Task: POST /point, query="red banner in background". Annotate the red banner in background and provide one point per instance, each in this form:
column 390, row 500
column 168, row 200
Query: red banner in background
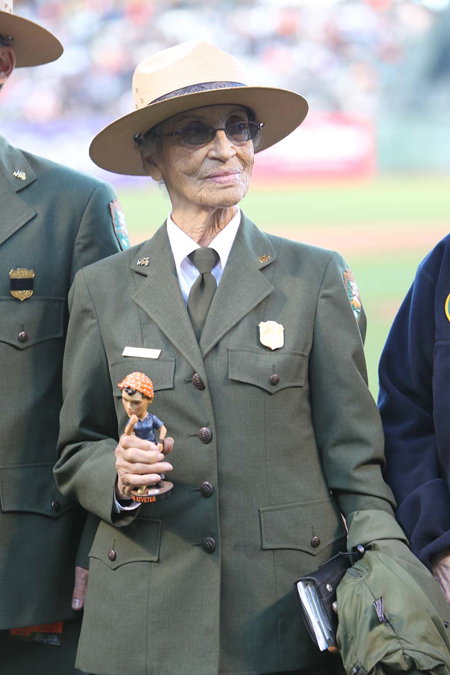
column 325, row 146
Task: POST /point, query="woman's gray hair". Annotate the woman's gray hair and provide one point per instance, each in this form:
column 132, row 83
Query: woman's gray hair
column 150, row 143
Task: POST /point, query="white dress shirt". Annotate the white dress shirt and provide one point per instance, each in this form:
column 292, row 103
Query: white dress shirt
column 182, row 245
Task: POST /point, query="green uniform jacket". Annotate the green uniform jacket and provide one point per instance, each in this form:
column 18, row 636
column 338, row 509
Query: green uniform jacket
column 54, row 221
column 161, row 599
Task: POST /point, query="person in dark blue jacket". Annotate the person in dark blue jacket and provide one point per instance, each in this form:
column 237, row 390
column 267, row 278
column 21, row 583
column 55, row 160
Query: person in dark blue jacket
column 414, row 403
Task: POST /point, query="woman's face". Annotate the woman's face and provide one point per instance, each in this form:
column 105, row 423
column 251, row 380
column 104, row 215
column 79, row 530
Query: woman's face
column 216, row 174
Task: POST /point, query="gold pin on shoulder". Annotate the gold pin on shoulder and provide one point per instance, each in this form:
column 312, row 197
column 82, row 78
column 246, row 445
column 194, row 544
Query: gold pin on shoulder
column 20, row 174
column 145, row 262
column 264, row 258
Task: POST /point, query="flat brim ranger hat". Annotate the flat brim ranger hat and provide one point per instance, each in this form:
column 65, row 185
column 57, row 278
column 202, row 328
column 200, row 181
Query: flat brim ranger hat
column 192, row 75
column 33, row 45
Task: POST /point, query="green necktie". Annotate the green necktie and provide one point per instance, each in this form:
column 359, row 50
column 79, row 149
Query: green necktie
column 202, row 292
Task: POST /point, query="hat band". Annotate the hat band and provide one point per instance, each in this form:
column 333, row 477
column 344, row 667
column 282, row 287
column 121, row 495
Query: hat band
column 196, row 88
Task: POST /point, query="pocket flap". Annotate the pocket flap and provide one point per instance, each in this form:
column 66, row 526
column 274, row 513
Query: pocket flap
column 137, row 542
column 31, row 488
column 308, row 526
column 38, row 318
column 257, row 367
column 160, row 371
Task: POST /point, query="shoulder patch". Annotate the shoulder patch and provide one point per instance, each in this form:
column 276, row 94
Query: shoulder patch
column 119, row 224
column 353, row 294
column 447, row 313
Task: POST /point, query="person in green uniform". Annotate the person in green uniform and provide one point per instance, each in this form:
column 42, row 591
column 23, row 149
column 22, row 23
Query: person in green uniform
column 242, row 333
column 53, row 221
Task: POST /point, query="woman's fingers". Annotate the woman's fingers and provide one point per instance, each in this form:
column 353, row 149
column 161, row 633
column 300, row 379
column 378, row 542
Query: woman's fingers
column 142, row 469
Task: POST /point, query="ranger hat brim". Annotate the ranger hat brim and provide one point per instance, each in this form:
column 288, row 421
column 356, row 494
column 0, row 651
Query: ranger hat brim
column 33, row 45
column 192, row 75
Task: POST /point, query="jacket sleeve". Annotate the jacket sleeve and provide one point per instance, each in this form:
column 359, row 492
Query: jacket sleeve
column 96, row 237
column 346, row 420
column 414, row 395
column 88, row 426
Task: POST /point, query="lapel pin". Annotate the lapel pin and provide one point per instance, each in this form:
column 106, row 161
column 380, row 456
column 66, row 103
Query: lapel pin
column 264, row 258
column 21, row 283
column 20, row 174
column 271, row 334
column 144, row 262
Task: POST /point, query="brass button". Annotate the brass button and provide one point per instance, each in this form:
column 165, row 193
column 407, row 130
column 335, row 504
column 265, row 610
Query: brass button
column 112, row 555
column 56, row 506
column 22, row 337
column 274, row 379
column 315, row 542
column 205, row 435
column 206, row 490
column 198, row 382
column 209, row 545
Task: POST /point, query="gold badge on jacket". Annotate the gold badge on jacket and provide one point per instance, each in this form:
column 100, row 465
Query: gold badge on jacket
column 271, row 334
column 21, row 283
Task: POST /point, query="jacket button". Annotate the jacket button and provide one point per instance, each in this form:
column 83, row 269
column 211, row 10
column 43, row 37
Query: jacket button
column 22, row 337
column 206, row 490
column 112, row 555
column 315, row 542
column 274, row 380
column 209, row 544
column 205, row 435
column 198, row 382
column 56, row 506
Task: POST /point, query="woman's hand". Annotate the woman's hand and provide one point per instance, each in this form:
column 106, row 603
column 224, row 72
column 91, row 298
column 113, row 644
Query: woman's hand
column 138, row 463
column 440, row 566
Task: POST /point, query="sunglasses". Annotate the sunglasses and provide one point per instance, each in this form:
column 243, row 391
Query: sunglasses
column 5, row 41
column 197, row 133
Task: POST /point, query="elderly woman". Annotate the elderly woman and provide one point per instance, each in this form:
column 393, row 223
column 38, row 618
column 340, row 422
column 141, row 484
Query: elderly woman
column 241, row 333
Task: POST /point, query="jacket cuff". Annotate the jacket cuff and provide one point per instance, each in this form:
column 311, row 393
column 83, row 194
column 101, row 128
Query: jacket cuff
column 365, row 527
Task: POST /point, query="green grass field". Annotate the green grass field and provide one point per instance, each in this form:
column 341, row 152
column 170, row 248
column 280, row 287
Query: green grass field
column 384, row 228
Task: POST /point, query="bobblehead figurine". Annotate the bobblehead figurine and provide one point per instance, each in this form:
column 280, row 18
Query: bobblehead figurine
column 137, row 394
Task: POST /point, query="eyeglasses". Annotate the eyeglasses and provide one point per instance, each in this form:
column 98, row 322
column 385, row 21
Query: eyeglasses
column 5, row 41
column 197, row 133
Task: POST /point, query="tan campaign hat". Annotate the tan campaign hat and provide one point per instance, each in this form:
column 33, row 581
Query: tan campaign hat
column 187, row 76
column 32, row 44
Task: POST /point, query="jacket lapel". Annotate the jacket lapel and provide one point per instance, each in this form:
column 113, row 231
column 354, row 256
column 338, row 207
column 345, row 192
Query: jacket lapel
column 242, row 286
column 14, row 211
column 159, row 295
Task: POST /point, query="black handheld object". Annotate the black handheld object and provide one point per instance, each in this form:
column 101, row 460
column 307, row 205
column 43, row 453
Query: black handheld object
column 316, row 594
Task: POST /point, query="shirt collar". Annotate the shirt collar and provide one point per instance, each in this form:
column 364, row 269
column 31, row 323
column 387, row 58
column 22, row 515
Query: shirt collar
column 182, row 244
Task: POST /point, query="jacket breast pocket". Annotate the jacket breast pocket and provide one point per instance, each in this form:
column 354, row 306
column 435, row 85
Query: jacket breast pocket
column 28, row 323
column 271, row 371
column 160, row 371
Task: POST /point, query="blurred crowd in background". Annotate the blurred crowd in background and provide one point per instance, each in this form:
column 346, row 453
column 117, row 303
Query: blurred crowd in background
column 342, row 57
column 385, row 63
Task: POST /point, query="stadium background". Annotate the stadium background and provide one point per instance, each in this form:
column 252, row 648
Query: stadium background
column 368, row 172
